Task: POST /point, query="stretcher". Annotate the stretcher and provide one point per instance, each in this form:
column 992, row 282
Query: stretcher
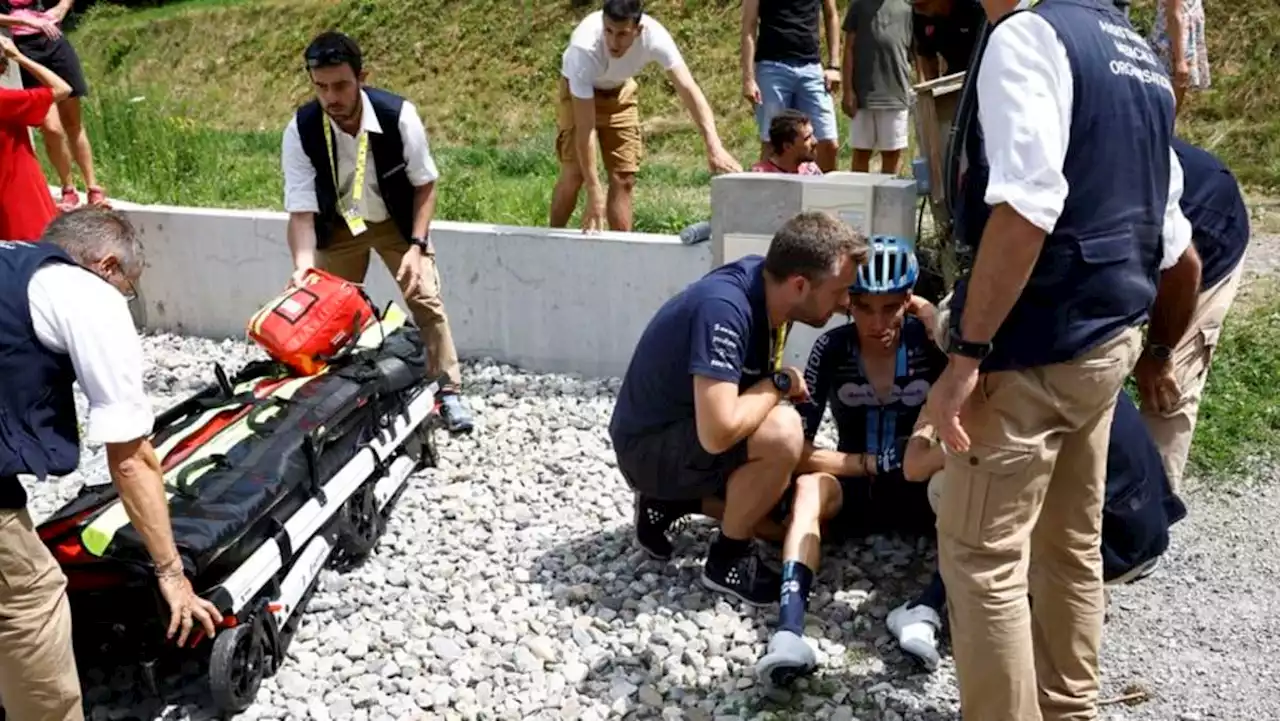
column 271, row 477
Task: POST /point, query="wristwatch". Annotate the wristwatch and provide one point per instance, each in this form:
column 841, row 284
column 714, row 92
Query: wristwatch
column 968, row 349
column 1160, row 352
column 782, row 381
column 423, row 243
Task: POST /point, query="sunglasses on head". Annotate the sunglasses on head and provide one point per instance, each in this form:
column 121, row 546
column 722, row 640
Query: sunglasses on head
column 327, row 57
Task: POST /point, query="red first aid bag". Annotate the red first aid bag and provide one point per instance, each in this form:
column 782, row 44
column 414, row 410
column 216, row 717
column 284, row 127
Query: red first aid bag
column 307, row 327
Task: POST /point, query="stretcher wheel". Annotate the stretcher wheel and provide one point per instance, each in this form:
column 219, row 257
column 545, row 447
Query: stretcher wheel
column 430, row 457
column 361, row 524
column 236, row 667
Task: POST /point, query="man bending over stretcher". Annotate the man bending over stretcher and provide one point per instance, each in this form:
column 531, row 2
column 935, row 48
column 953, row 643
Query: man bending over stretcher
column 876, row 373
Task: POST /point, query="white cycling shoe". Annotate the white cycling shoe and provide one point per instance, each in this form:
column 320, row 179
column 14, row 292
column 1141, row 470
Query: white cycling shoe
column 916, row 629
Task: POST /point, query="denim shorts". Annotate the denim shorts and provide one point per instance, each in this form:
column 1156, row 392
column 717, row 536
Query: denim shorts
column 800, row 87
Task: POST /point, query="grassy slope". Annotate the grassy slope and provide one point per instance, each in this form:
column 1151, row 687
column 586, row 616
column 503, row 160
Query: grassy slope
column 221, row 77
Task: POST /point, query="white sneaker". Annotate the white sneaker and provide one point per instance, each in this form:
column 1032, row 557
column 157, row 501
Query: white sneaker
column 916, row 629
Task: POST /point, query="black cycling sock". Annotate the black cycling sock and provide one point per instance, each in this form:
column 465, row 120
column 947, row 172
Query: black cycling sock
column 934, row 595
column 725, row 550
column 796, row 579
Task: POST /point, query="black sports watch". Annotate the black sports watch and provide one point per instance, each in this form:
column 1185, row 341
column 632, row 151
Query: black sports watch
column 968, row 349
column 782, row 381
column 423, row 243
column 1160, row 352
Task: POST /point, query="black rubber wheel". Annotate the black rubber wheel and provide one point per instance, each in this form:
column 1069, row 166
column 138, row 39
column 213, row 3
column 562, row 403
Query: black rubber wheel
column 237, row 666
column 430, row 451
column 360, row 524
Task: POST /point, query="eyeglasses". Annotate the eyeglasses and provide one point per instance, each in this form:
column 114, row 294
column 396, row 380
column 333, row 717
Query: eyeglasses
column 131, row 294
column 325, row 57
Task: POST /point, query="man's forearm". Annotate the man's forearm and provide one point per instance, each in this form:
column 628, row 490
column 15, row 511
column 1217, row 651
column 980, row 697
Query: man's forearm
column 1175, row 303
column 747, row 55
column 48, row 78
column 1006, row 256
column 696, row 103
column 831, row 22
column 302, row 239
column 837, row 463
column 137, row 476
column 424, row 207
column 586, row 151
column 922, row 460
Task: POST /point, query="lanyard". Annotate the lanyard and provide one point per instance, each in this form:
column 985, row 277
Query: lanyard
column 362, row 150
column 779, row 346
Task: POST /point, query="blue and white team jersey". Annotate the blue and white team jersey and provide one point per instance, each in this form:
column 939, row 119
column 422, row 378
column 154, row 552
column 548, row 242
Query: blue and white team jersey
column 835, row 376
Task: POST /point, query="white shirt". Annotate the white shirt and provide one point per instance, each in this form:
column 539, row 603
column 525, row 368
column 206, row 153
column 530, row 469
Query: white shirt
column 587, row 64
column 77, row 313
column 1025, row 93
column 300, row 174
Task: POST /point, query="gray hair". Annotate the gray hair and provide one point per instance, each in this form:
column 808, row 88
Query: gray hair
column 88, row 234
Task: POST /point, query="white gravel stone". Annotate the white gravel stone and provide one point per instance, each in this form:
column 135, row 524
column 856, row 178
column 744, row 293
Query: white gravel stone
column 507, row 587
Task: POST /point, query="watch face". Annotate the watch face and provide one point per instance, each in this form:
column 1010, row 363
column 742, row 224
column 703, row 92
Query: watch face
column 782, row 381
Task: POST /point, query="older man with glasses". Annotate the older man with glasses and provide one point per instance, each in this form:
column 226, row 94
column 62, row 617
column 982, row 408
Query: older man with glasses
column 66, row 320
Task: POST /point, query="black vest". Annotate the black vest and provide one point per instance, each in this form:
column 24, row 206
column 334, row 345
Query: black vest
column 388, row 162
column 39, row 434
column 1099, row 268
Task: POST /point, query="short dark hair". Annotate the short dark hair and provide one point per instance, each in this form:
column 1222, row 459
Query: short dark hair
column 332, row 48
column 785, row 128
column 811, row 244
column 623, row 10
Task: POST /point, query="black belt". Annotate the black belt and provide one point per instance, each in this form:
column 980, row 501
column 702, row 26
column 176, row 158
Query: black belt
column 13, row 497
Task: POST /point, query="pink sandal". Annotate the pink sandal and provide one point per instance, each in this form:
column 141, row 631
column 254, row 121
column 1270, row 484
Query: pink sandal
column 70, row 198
column 98, row 197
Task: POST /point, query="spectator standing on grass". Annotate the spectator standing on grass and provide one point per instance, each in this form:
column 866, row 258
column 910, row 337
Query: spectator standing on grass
column 945, row 33
column 782, row 68
column 1178, row 35
column 359, row 176
column 877, row 81
column 64, row 318
column 1070, row 204
column 38, row 34
column 791, row 146
column 699, row 425
column 598, row 100
column 25, row 204
column 1214, row 205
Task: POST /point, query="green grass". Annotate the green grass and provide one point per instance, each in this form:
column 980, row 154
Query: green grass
column 221, row 77
column 149, row 150
column 1240, row 413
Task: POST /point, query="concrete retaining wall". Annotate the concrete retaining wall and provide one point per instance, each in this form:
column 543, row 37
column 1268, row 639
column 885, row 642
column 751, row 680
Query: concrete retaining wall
column 547, row 300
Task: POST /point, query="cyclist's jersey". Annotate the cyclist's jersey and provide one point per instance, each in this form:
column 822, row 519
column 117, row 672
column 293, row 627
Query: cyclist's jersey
column 835, row 375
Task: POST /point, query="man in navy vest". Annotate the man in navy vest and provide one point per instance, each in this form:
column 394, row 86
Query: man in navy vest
column 1214, row 205
column 64, row 318
column 359, row 176
column 1070, row 199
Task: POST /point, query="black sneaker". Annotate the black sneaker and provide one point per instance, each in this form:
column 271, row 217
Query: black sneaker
column 746, row 578
column 653, row 519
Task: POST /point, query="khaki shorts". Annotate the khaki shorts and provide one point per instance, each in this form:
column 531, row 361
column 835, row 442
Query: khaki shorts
column 617, row 127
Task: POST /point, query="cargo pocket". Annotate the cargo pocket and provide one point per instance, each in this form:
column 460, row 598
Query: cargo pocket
column 987, row 495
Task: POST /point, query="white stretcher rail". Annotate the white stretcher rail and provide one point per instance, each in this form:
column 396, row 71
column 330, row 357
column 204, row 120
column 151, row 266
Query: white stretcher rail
column 253, row 575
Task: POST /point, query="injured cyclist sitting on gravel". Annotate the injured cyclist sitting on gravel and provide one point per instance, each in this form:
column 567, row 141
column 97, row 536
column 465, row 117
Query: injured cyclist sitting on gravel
column 876, row 373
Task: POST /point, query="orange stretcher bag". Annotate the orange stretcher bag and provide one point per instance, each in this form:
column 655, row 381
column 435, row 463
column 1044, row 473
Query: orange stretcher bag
column 309, row 326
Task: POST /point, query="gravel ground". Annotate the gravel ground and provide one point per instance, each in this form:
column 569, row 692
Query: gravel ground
column 507, row 587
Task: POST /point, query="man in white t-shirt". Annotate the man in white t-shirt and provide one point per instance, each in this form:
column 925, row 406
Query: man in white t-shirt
column 64, row 317
column 598, row 96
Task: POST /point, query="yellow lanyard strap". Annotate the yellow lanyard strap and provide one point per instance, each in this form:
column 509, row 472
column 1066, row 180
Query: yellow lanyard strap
column 362, row 149
column 779, row 346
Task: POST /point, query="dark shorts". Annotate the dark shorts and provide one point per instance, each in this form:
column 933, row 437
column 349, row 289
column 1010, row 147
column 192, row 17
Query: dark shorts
column 671, row 465
column 58, row 56
column 884, row 505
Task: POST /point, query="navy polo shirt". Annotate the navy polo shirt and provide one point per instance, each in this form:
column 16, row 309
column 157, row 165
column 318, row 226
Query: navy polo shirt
column 716, row 327
column 1214, row 205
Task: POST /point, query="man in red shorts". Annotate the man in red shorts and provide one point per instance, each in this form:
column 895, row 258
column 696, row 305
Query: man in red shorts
column 26, row 206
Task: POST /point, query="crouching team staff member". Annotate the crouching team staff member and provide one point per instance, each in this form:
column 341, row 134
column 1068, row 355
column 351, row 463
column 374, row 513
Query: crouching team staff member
column 64, row 318
column 1219, row 220
column 698, row 426
column 359, row 176
column 1067, row 216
